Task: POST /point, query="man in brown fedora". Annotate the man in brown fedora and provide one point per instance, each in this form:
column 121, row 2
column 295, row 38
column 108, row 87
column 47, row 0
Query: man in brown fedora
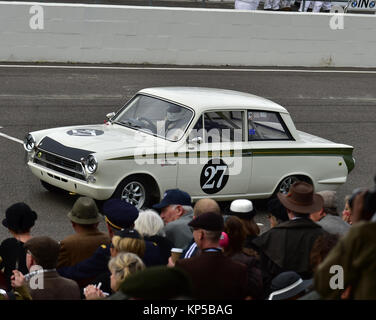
column 77, row 247
column 287, row 246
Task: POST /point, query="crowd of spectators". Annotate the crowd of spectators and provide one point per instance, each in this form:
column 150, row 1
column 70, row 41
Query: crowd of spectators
column 284, row 5
column 223, row 253
column 271, row 5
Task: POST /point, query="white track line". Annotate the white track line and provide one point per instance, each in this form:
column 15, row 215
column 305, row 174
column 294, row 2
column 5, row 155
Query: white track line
column 186, row 69
column 10, row 138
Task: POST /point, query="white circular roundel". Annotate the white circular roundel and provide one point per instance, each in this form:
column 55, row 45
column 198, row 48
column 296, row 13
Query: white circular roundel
column 214, row 176
column 85, row 132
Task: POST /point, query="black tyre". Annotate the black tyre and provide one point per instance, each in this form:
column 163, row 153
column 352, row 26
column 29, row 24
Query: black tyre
column 286, row 183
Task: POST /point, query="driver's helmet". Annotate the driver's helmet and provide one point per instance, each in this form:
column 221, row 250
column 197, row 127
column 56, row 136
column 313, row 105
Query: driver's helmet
column 174, row 113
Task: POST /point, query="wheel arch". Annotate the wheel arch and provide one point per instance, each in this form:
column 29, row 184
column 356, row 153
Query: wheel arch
column 302, row 176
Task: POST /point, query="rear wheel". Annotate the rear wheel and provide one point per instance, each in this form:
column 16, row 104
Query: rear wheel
column 285, row 185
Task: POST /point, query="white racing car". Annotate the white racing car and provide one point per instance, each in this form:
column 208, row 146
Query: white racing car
column 208, row 142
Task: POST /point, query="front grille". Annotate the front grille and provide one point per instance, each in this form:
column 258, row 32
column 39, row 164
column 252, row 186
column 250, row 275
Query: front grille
column 60, row 164
column 63, row 162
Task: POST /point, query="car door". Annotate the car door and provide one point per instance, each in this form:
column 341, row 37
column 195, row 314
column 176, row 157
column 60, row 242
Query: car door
column 214, row 164
column 268, row 140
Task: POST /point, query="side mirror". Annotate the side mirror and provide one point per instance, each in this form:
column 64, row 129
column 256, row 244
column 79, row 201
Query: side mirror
column 110, row 115
column 196, row 140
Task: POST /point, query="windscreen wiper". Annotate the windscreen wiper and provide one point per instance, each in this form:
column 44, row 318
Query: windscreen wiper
column 130, row 124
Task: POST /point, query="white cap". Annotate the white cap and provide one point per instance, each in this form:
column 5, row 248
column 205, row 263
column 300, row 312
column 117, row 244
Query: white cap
column 242, row 208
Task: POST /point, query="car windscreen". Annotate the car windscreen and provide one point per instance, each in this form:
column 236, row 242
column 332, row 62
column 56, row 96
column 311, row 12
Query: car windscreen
column 155, row 116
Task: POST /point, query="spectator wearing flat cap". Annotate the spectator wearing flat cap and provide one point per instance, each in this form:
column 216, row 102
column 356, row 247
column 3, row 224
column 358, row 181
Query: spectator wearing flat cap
column 287, row 246
column 176, row 212
column 327, row 217
column 43, row 282
column 118, row 215
column 201, row 206
column 19, row 219
column 213, row 275
column 85, row 218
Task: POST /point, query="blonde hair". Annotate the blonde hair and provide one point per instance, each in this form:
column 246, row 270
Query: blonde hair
column 149, row 223
column 136, row 246
column 124, row 264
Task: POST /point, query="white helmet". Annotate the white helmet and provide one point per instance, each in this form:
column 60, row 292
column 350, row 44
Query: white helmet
column 174, row 113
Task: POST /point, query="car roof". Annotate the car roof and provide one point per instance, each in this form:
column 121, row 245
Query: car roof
column 200, row 98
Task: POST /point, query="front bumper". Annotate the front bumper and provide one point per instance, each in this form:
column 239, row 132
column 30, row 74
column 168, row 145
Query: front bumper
column 65, row 182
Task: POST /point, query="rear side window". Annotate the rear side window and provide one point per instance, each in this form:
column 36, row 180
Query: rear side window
column 265, row 125
column 221, row 126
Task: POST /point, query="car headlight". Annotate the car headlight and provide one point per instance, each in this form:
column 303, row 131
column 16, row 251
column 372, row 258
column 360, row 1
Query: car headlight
column 29, row 143
column 91, row 164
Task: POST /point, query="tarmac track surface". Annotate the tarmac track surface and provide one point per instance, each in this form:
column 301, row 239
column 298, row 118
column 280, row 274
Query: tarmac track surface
column 339, row 105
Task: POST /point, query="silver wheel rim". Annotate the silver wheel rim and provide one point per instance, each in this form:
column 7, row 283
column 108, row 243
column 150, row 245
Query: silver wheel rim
column 286, row 184
column 134, row 193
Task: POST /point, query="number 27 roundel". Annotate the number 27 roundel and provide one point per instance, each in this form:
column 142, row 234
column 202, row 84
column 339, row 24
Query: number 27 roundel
column 214, row 176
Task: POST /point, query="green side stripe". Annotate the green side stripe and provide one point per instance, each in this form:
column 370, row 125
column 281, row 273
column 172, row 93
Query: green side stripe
column 288, row 152
column 188, row 154
column 346, row 153
column 349, row 160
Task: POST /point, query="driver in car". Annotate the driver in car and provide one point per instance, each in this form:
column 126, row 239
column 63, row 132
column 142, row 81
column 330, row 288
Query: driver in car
column 175, row 122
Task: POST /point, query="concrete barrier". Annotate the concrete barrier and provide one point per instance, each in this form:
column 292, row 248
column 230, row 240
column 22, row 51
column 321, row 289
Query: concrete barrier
column 125, row 34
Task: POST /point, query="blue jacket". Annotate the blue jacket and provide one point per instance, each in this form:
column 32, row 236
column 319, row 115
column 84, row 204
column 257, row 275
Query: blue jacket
column 98, row 262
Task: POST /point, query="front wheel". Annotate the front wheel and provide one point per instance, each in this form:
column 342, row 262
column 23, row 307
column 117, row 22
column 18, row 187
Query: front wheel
column 134, row 191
